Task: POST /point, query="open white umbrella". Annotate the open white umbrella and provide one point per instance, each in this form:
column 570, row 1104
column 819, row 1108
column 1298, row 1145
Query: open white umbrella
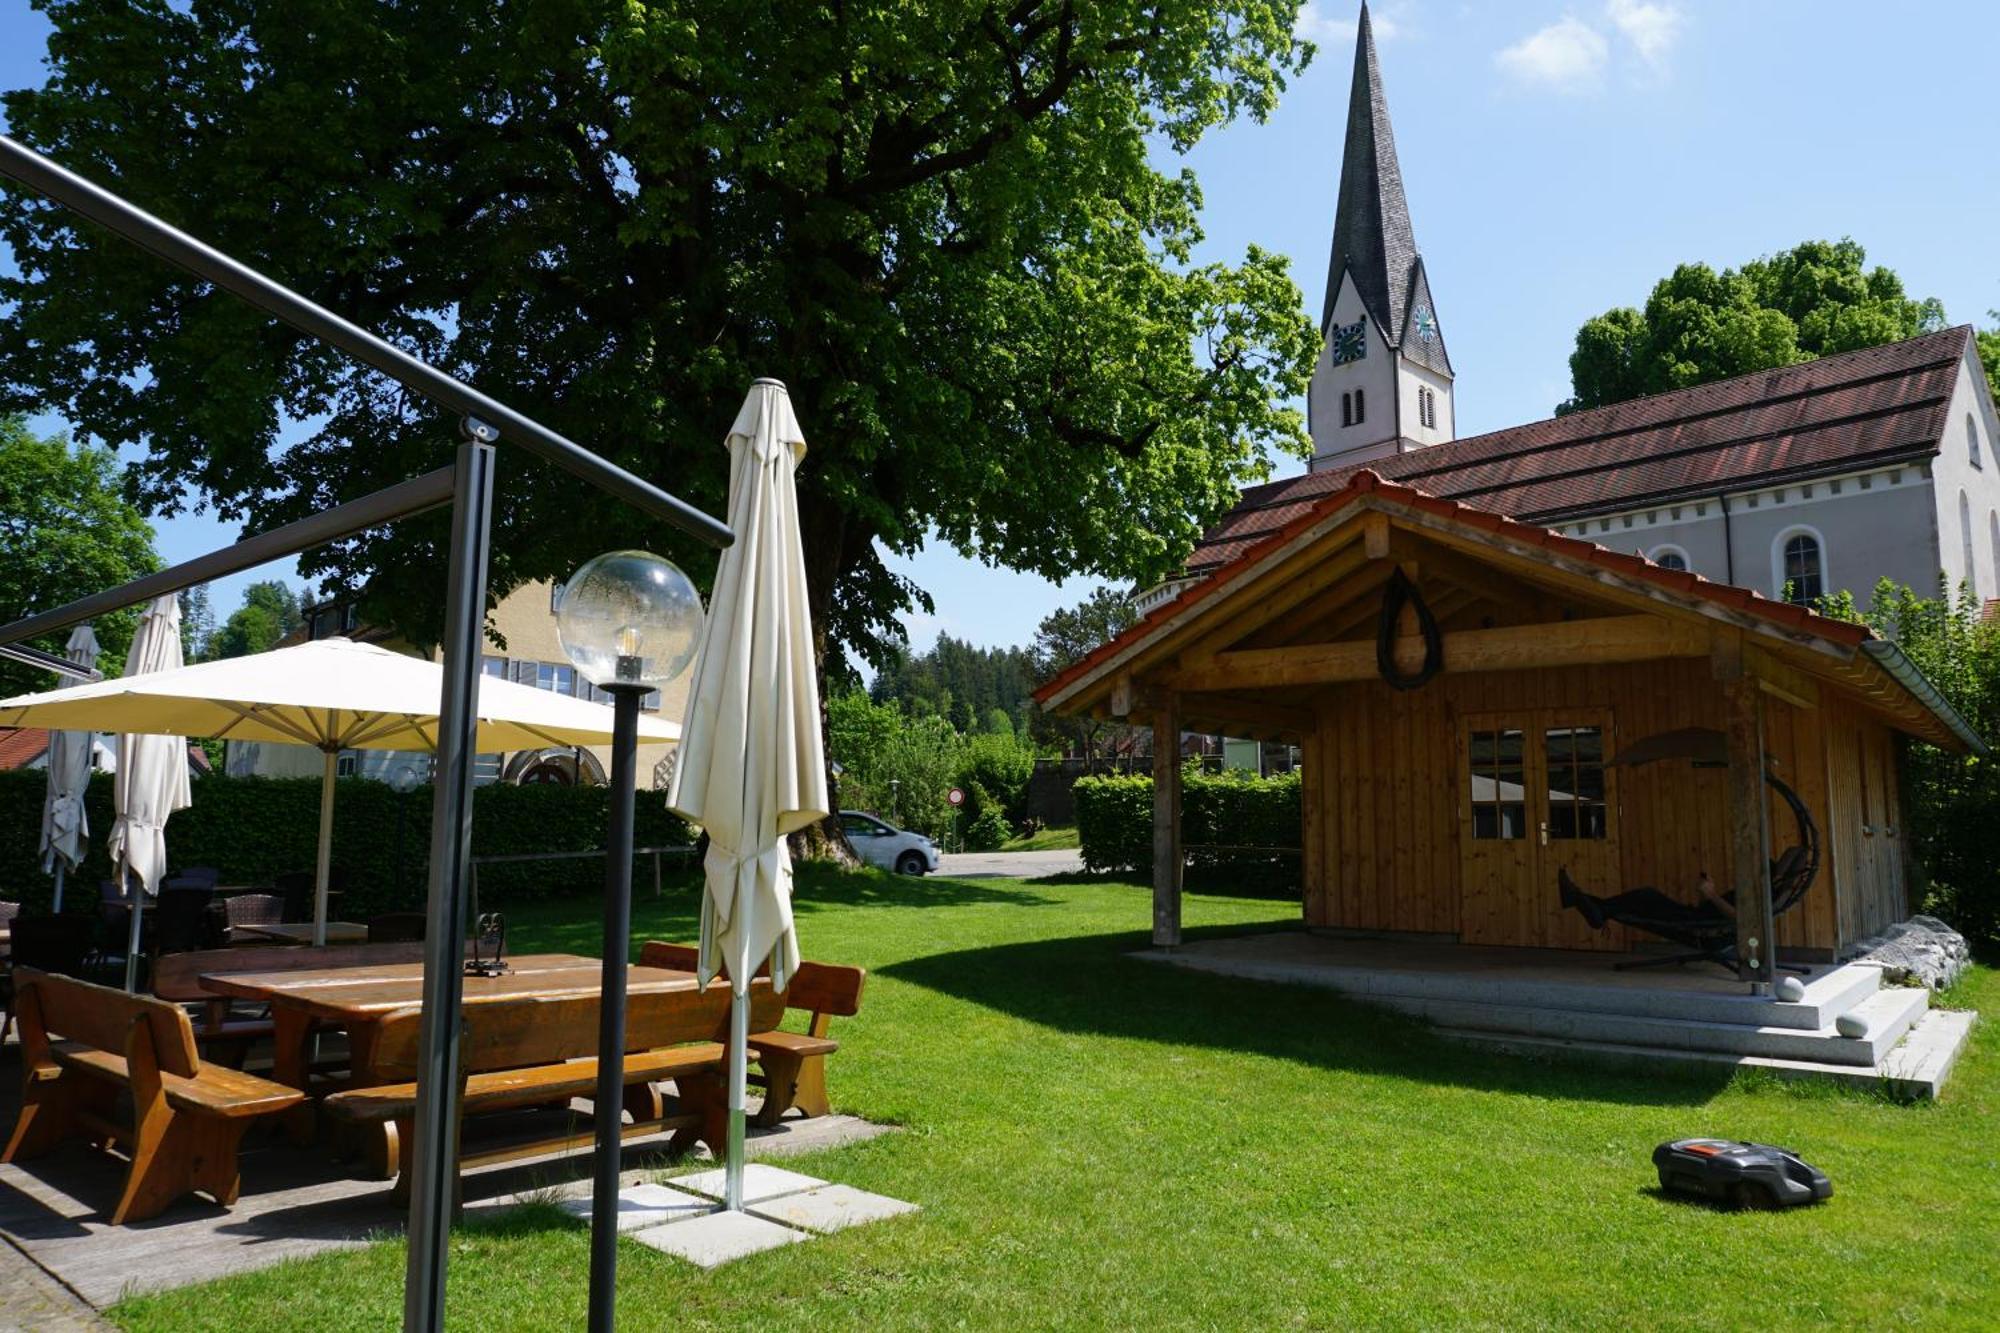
column 152, row 780
column 331, row 694
column 65, row 828
column 751, row 768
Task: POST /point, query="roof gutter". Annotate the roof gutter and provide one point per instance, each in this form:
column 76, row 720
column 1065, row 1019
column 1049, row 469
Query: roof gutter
column 1898, row 664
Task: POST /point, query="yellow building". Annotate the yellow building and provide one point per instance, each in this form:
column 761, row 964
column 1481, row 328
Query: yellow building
column 525, row 622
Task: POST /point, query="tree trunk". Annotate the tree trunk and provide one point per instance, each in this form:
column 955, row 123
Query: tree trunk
column 821, row 528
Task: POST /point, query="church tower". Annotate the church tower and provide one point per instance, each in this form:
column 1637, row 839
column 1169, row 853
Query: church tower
column 1383, row 385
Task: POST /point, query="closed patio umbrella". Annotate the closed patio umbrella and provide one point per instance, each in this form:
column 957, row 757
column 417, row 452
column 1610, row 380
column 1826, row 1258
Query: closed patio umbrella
column 152, row 779
column 751, row 768
column 331, row 694
column 65, row 829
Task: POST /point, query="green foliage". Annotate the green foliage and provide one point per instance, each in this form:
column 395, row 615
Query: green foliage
column 254, row 829
column 1952, row 799
column 994, row 771
column 899, row 766
column 1226, row 818
column 66, row 530
column 197, row 623
column 988, row 830
column 997, row 722
column 269, row 612
column 1699, row 325
column 1064, row 637
column 1989, row 352
column 942, row 225
column 966, row 685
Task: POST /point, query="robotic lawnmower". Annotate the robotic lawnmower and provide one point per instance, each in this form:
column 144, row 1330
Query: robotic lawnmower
column 1746, row 1175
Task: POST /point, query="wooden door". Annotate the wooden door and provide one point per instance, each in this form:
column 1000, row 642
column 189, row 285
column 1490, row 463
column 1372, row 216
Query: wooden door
column 1535, row 797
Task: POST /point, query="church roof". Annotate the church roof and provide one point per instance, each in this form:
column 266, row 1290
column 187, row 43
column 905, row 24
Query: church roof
column 1372, row 237
column 1854, row 409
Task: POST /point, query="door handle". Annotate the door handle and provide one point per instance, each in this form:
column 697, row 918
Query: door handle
column 1545, row 833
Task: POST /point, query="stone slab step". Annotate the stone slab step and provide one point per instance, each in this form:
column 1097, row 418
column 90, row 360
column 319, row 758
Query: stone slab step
column 1916, row 1068
column 1828, row 995
column 1889, row 1013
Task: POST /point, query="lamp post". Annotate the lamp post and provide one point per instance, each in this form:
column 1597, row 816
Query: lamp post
column 629, row 622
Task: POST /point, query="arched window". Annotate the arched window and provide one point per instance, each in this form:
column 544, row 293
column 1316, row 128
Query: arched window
column 1971, row 575
column 1972, row 439
column 1669, row 557
column 1993, row 540
column 1360, row 407
column 1801, row 567
column 1347, row 409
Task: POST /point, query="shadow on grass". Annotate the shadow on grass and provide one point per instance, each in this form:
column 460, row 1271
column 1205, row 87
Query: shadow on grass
column 1090, row 984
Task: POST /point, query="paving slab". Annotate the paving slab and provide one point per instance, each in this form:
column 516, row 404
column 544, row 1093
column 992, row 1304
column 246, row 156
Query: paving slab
column 760, row 1182
column 718, row 1237
column 831, row 1208
column 645, row 1206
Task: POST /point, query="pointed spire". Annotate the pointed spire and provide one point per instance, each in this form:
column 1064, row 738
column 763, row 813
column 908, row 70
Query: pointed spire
column 1371, row 228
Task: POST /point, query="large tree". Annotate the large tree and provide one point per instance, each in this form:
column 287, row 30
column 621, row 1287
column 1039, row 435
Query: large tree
column 939, row 223
column 66, row 530
column 1700, row 325
column 269, row 612
column 1065, row 637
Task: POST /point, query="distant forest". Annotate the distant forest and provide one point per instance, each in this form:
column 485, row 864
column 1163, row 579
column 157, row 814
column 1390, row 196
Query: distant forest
column 972, row 688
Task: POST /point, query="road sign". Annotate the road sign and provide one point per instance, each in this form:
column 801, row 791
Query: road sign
column 956, row 796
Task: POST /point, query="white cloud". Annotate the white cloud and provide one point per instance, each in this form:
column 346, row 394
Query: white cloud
column 1568, row 56
column 1316, row 24
column 1652, row 29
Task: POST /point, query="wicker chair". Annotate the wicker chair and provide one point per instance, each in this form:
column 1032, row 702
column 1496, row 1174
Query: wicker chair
column 252, row 909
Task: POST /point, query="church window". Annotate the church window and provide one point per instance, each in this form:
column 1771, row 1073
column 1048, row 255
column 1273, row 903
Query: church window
column 1972, row 440
column 1360, row 407
column 1670, row 557
column 1965, row 535
column 1802, row 568
column 1347, row 409
column 1834, row 485
column 1867, row 482
column 1993, row 540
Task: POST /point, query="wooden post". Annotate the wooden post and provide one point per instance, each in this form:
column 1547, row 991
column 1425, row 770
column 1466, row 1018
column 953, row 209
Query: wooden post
column 1167, row 823
column 1749, row 825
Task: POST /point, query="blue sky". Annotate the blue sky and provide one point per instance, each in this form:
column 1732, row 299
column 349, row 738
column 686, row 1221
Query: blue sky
column 1559, row 158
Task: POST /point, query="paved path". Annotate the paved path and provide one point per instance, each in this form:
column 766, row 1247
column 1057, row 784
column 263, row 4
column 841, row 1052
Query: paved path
column 1011, row 865
column 31, row 1299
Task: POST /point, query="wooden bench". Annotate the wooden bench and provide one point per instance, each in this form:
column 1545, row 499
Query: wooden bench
column 188, row 1116
column 226, row 1038
column 792, row 1065
column 519, row 1053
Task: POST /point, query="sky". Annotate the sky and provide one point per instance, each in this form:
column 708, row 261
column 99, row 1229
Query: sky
column 1559, row 156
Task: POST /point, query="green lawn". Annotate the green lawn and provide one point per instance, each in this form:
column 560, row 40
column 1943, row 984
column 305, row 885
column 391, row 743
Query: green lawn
column 1047, row 840
column 1103, row 1142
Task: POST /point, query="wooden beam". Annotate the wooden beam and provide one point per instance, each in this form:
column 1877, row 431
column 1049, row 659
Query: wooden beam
column 1567, row 643
column 1167, row 824
column 1749, row 824
column 1254, row 616
column 1260, row 713
column 1121, row 695
column 1375, row 535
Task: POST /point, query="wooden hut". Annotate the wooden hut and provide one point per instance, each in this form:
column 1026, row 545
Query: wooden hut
column 1460, row 684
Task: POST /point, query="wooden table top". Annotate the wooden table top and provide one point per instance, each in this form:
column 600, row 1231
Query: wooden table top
column 301, row 932
column 359, row 993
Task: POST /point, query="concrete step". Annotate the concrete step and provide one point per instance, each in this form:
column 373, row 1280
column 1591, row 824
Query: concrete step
column 1828, row 995
column 1917, row 1067
column 1889, row 1013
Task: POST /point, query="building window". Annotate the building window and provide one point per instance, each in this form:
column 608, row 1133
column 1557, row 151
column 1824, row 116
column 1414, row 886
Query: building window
column 347, row 765
column 1965, row 534
column 1993, row 540
column 1801, row 568
column 1427, row 407
column 494, row 666
column 1360, row 407
column 1347, row 409
column 1498, row 784
column 1670, row 557
column 1576, row 783
column 556, row 678
column 1972, row 440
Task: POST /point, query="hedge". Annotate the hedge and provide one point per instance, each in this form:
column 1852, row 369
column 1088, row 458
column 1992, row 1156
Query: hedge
column 254, row 829
column 1225, row 817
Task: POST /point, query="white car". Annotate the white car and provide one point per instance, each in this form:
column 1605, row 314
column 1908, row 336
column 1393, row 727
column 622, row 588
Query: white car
column 890, row 848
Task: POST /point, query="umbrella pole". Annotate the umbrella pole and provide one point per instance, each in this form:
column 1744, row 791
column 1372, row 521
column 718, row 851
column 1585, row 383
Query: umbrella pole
column 323, row 868
column 61, row 865
column 739, row 1061
column 124, row 874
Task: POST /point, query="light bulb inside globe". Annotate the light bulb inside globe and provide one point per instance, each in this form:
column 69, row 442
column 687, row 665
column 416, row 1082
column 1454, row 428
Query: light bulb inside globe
column 629, row 618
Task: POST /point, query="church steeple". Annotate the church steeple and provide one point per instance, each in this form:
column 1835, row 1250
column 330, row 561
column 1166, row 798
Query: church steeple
column 1372, row 237
column 1383, row 384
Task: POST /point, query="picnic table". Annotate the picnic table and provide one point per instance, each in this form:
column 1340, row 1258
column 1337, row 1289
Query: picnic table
column 357, row 999
column 301, row 932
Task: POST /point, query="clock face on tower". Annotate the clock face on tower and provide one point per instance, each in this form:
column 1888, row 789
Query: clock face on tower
column 1427, row 324
column 1350, row 342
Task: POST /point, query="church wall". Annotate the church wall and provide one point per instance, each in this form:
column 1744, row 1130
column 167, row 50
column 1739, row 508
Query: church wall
column 1375, row 375
column 1970, row 412
column 1413, row 377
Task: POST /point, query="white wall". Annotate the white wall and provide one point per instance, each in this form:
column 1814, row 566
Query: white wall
column 1416, row 376
column 1969, row 413
column 1335, row 445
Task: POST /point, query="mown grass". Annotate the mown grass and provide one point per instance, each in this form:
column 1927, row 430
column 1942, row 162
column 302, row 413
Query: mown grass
column 1044, row 840
column 1102, row 1142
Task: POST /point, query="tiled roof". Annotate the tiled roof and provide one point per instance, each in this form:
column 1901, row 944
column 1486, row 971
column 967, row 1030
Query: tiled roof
column 1365, row 481
column 21, row 746
column 1877, row 405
